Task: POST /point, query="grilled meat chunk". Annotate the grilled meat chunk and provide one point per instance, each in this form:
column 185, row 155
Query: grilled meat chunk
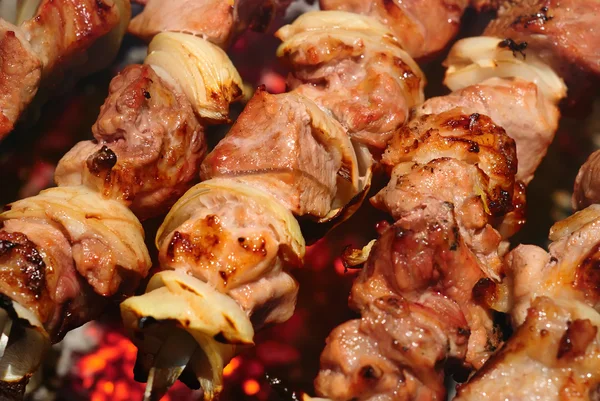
column 218, row 21
column 587, row 183
column 423, row 31
column 61, row 246
column 147, row 148
column 353, row 67
column 562, row 32
column 553, row 356
column 526, row 115
column 20, row 74
column 302, row 156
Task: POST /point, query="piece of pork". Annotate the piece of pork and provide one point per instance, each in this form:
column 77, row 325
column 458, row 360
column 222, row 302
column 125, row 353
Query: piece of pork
column 147, row 149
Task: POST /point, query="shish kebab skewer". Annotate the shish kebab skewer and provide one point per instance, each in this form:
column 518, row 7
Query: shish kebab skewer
column 422, row 290
column 67, row 251
column 553, row 300
column 236, row 231
column 52, row 44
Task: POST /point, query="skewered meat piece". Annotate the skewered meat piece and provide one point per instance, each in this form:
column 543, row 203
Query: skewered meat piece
column 553, row 356
column 422, row 31
column 453, row 180
column 147, row 148
column 310, row 165
column 585, row 192
column 234, row 236
column 218, row 21
column 564, row 34
column 526, row 115
column 431, row 165
column 20, row 73
column 64, row 40
column 67, row 251
column 355, row 68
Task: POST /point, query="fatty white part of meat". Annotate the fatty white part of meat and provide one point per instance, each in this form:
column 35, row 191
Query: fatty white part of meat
column 199, row 69
column 214, row 320
column 474, row 60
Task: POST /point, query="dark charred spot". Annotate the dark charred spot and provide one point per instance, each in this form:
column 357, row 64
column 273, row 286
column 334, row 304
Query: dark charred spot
column 101, row 161
column 485, row 291
column 543, row 333
column 500, row 202
column 220, row 338
column 14, row 390
column 188, row 288
column 223, row 276
column 455, row 239
column 490, row 346
column 587, row 275
column 577, row 337
column 177, row 241
column 369, row 373
column 212, row 220
column 514, row 47
column 24, row 254
column 146, row 94
column 463, row 331
column 252, row 246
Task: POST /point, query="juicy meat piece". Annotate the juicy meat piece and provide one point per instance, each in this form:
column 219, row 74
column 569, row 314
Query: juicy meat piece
column 415, row 298
column 423, row 28
column 554, row 356
column 517, row 106
column 219, row 21
column 147, row 148
column 565, row 33
column 587, row 184
column 353, row 367
column 473, row 139
column 361, row 76
column 569, row 270
column 237, row 239
column 298, row 157
column 64, row 248
column 270, row 299
column 63, row 31
column 20, row 73
column 458, row 184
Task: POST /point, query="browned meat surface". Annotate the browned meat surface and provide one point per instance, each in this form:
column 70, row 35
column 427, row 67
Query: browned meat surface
column 147, row 148
column 553, row 356
column 218, row 21
column 472, row 138
column 423, row 28
column 236, row 238
column 288, row 147
column 62, row 249
column 20, row 72
column 414, row 294
column 516, row 105
column 568, row 270
column 587, row 184
column 484, row 5
column 360, row 74
column 565, row 33
column 63, row 30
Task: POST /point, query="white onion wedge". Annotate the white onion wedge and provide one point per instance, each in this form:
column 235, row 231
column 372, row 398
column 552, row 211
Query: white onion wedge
column 199, row 69
column 175, row 309
column 474, row 60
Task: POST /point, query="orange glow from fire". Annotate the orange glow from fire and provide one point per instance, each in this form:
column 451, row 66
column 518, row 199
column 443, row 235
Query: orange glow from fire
column 231, row 366
column 251, row 387
column 107, row 373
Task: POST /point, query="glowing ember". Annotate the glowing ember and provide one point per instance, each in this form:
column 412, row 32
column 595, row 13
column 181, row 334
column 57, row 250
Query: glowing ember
column 251, row 387
column 232, row 366
column 107, row 373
